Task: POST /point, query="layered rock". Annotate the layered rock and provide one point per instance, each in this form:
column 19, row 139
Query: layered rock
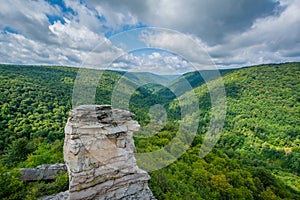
column 99, row 154
column 43, row 172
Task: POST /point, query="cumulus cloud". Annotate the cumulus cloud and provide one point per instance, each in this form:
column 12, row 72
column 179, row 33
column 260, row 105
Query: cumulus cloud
column 29, row 37
column 233, row 33
column 269, row 39
column 155, row 62
column 74, row 35
column 187, row 46
column 210, row 20
column 29, row 18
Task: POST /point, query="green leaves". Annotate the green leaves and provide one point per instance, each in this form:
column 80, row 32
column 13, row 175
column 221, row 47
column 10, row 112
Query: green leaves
column 45, row 154
column 17, row 152
column 10, row 185
column 261, row 131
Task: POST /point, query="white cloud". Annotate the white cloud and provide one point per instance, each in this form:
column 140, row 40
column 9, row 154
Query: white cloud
column 187, row 46
column 243, row 32
column 270, row 39
column 156, row 62
column 27, row 17
column 116, row 19
column 234, row 32
column 211, row 20
column 37, row 41
column 75, row 35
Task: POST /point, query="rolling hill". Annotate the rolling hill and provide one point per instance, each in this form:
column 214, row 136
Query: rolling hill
column 257, row 156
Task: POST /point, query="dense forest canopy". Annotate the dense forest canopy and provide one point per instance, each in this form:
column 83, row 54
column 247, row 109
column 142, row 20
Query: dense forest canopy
column 257, row 156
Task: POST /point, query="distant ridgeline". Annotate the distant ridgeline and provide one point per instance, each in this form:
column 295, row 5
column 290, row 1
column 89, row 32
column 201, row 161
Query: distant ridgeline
column 257, row 156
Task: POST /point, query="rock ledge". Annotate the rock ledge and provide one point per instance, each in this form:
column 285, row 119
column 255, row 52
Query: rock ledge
column 45, row 172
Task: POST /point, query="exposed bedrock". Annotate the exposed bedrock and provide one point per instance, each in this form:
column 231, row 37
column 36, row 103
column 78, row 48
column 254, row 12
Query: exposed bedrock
column 99, row 154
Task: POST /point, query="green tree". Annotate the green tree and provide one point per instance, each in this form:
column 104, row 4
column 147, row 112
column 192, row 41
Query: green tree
column 17, row 152
column 268, row 194
column 10, row 185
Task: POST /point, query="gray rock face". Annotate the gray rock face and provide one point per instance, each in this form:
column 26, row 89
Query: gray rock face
column 59, row 196
column 42, row 172
column 98, row 152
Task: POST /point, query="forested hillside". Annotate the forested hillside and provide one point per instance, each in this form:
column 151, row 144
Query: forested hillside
column 257, row 156
column 193, row 78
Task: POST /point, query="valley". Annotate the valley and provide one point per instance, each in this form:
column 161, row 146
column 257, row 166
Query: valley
column 256, row 157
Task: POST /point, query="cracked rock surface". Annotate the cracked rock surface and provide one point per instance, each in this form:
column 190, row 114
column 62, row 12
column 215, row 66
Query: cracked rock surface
column 99, row 154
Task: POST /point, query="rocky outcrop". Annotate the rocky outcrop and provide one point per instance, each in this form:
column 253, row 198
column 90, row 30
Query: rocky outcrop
column 99, row 154
column 59, row 196
column 42, row 172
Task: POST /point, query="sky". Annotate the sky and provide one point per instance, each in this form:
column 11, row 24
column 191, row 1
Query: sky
column 161, row 36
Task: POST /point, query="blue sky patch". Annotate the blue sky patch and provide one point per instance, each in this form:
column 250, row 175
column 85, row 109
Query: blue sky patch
column 52, row 19
column 62, row 5
column 8, row 29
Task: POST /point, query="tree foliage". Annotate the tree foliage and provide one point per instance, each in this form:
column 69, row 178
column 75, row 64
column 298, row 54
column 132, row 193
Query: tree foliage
column 257, row 157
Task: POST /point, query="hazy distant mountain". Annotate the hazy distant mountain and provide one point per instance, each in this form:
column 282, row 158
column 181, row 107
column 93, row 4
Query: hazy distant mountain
column 142, row 78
